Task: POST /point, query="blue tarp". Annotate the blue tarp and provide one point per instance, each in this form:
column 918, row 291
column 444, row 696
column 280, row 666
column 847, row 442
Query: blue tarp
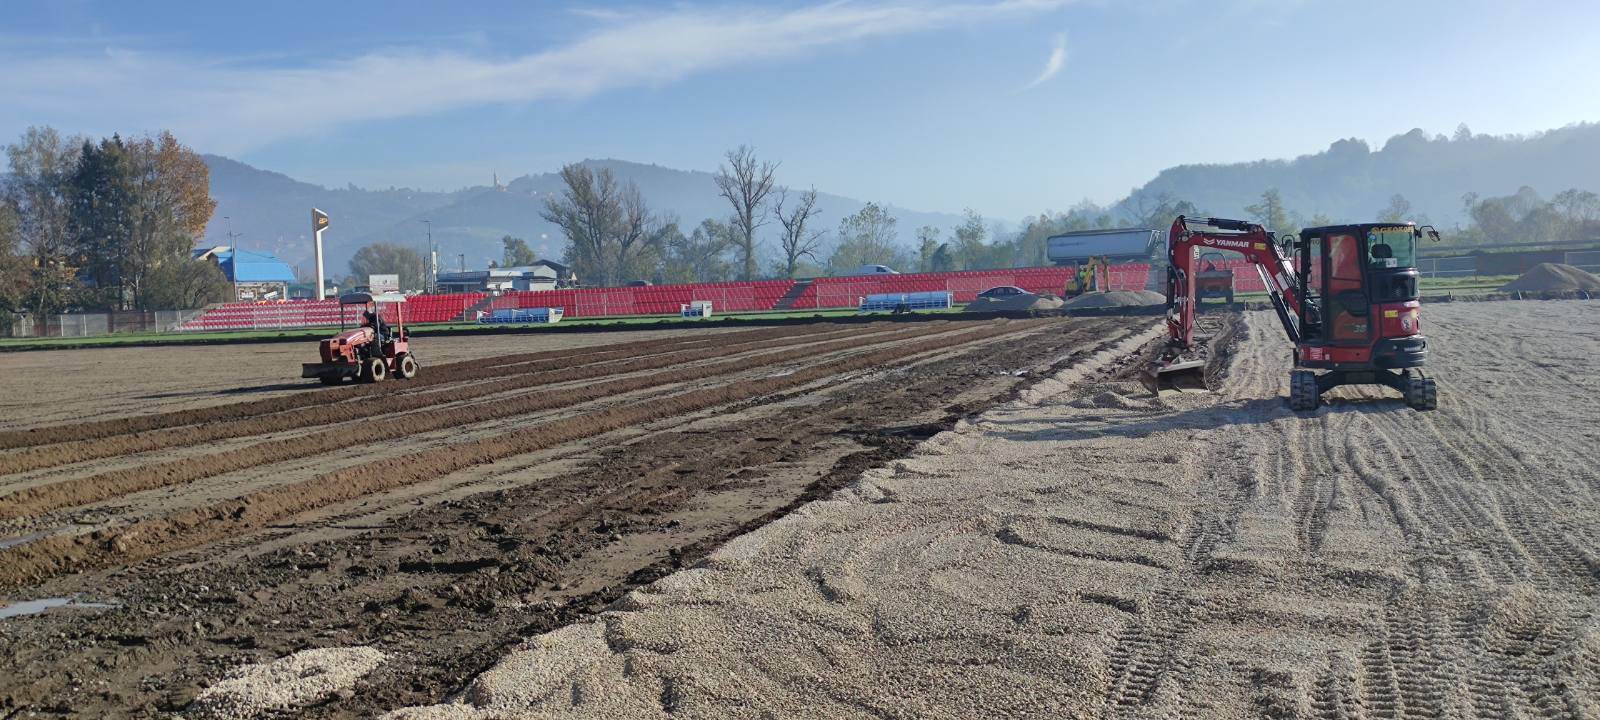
column 253, row 266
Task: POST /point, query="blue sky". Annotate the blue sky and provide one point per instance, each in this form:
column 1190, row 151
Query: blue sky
column 1006, row 106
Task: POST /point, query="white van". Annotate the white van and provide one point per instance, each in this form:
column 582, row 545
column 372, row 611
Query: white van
column 875, row 270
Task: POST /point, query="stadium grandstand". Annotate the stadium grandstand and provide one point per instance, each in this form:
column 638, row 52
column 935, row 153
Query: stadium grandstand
column 725, row 297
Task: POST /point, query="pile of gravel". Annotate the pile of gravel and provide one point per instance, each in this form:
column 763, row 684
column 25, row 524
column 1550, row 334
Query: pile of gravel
column 1015, row 303
column 1553, row 277
column 1117, row 298
column 301, row 679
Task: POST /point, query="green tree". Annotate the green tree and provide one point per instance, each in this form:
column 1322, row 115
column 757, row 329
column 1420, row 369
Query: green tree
column 927, row 246
column 389, row 259
column 866, row 238
column 13, row 266
column 970, row 251
column 101, row 217
column 1157, row 212
column 1398, row 209
column 1271, row 214
column 41, row 164
column 702, row 256
column 186, row 284
column 745, row 184
column 516, row 252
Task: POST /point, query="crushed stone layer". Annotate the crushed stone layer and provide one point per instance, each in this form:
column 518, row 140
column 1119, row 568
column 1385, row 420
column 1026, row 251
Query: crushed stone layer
column 1092, row 551
column 306, row 677
column 1116, row 298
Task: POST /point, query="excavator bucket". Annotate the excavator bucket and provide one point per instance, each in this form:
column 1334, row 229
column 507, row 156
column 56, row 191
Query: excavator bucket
column 1173, row 375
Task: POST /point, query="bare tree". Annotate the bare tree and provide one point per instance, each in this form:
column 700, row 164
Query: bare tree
column 798, row 240
column 607, row 224
column 746, row 184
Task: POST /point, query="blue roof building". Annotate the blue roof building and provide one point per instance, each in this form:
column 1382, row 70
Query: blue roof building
column 253, row 267
column 255, row 275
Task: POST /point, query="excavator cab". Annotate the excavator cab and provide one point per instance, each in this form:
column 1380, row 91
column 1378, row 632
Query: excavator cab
column 1358, row 312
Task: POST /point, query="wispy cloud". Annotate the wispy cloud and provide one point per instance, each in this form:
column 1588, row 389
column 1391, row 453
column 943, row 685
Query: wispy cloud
column 1053, row 64
column 224, row 105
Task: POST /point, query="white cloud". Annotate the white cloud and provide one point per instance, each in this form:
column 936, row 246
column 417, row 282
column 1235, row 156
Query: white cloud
column 1053, row 64
column 226, row 106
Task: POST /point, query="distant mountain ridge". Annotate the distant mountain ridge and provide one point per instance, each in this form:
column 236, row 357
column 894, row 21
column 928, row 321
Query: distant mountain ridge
column 1347, row 182
column 1351, row 182
column 271, row 212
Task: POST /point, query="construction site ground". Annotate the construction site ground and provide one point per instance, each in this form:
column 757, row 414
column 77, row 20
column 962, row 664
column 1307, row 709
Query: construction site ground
column 1092, row 551
column 204, row 508
column 826, row 537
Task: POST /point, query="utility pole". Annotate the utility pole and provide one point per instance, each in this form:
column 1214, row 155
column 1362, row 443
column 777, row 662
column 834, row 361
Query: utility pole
column 233, row 252
column 463, row 257
column 433, row 261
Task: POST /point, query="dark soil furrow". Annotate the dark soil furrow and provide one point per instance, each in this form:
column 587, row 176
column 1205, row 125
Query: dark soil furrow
column 433, row 375
column 546, row 372
column 54, row 556
column 100, row 486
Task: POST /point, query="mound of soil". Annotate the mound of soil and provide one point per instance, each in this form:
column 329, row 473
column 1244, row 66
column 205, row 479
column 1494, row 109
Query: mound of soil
column 1553, row 277
column 1117, row 298
column 1016, row 303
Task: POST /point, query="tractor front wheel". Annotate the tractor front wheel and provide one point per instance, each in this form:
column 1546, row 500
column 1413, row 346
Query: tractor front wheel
column 330, row 379
column 1303, row 392
column 373, row 370
column 405, row 367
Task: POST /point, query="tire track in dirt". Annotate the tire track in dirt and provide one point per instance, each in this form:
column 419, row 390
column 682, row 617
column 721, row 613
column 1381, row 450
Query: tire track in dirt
column 93, row 488
column 548, row 372
column 57, row 555
column 465, row 370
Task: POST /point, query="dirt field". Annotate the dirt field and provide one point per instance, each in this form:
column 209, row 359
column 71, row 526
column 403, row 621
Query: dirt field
column 224, row 512
column 1091, row 551
column 65, row 386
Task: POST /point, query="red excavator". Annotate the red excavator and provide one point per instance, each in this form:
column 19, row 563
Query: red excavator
column 1350, row 308
column 370, row 351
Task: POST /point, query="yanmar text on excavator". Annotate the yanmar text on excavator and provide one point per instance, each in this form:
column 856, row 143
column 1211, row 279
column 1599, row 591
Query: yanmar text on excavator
column 1345, row 294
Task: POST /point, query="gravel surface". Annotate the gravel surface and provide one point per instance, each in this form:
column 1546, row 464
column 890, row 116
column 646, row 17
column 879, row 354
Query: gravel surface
column 1117, row 298
column 1092, row 551
column 291, row 682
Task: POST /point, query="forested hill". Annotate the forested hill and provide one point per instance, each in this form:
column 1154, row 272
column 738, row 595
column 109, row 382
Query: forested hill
column 1350, row 181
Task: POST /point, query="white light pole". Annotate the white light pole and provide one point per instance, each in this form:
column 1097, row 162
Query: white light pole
column 433, row 261
column 233, row 252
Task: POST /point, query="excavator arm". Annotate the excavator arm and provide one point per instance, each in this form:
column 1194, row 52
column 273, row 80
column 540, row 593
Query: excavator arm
column 1184, row 241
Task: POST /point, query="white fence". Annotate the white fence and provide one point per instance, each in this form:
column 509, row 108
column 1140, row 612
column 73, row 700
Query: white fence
column 77, row 325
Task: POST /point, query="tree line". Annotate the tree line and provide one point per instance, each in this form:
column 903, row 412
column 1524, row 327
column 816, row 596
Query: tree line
column 105, row 225
column 613, row 236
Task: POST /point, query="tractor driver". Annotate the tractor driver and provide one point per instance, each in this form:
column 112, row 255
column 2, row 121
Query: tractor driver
column 371, row 319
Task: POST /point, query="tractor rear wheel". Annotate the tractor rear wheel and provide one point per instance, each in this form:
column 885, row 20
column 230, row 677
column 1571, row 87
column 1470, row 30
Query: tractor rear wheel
column 1303, row 392
column 405, row 367
column 374, row 370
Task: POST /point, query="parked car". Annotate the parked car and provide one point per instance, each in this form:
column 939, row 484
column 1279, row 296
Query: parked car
column 637, row 283
column 875, row 270
column 1004, row 291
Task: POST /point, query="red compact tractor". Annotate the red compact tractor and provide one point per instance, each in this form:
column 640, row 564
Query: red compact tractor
column 1214, row 280
column 369, row 352
column 1346, row 296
